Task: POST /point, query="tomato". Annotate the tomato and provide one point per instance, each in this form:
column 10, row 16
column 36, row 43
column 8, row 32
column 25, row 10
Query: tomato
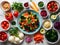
column 3, row 36
column 9, row 16
column 52, row 3
column 2, row 25
column 52, row 6
column 50, row 9
column 5, row 25
column 48, row 6
column 16, row 13
column 55, row 4
column 4, row 22
column 54, row 9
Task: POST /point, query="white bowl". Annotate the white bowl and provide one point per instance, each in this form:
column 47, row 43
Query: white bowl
column 43, row 5
column 46, row 12
column 57, row 4
column 7, row 37
column 50, row 26
column 53, row 42
column 3, row 8
column 7, row 28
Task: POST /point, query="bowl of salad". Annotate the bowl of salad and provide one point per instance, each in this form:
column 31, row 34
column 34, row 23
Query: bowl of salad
column 29, row 22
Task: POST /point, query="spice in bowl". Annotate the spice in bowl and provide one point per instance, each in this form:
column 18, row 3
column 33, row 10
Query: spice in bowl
column 5, row 5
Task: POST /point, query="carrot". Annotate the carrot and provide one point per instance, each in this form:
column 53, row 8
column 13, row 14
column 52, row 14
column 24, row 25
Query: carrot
column 33, row 8
column 35, row 5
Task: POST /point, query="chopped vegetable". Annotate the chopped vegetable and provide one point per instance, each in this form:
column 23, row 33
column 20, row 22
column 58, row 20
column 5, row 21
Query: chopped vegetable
column 51, row 35
column 28, row 39
column 13, row 31
column 17, row 6
column 38, row 37
column 29, row 21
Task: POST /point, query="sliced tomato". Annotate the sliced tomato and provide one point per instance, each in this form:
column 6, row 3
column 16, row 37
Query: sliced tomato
column 50, row 9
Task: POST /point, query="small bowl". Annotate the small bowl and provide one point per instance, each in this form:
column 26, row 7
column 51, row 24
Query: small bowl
column 2, row 27
column 26, row 5
column 50, row 24
column 57, row 17
column 45, row 12
column 56, row 26
column 6, row 38
column 41, row 2
column 2, row 3
column 57, row 5
column 53, row 42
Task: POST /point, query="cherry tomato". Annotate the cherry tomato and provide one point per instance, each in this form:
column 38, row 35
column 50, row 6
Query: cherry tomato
column 54, row 9
column 3, row 36
column 16, row 13
column 50, row 9
column 48, row 6
column 52, row 3
column 5, row 25
column 2, row 25
column 4, row 22
column 55, row 4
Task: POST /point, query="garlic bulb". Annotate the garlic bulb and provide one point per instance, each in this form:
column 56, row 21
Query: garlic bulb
column 11, row 39
column 17, row 39
column 21, row 35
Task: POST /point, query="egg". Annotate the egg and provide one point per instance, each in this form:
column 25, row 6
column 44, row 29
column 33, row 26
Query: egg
column 21, row 35
column 11, row 39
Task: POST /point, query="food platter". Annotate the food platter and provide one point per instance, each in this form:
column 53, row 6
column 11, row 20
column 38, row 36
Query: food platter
column 24, row 31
